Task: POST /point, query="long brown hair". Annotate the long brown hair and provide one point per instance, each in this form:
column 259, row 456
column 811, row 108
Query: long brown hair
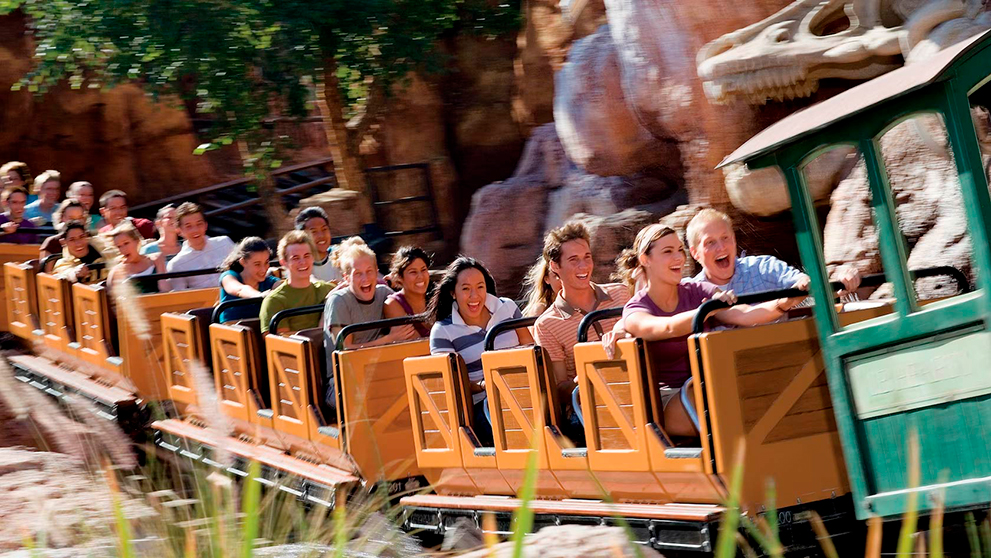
column 629, row 270
column 539, row 294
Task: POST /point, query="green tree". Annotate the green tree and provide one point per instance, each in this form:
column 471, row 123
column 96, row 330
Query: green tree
column 243, row 61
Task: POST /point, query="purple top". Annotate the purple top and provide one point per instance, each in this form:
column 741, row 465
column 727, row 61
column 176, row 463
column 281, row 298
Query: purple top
column 418, row 326
column 670, row 356
column 18, row 237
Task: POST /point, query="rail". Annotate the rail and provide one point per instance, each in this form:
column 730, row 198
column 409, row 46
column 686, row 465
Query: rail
column 219, row 309
column 873, row 280
column 185, row 196
column 377, row 324
column 279, row 191
column 154, row 277
column 596, row 316
column 273, row 324
column 502, row 327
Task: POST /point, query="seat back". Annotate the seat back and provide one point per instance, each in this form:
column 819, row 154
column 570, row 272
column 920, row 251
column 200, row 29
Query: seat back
column 615, row 405
column 143, row 359
column 291, row 371
column 182, row 346
column 518, row 405
column 237, row 368
column 767, row 386
column 435, row 410
column 55, row 312
column 375, row 408
column 91, row 315
column 15, row 253
column 19, row 300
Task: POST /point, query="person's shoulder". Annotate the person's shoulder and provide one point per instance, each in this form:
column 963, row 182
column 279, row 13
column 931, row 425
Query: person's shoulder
column 383, row 291
column 704, row 288
column 617, row 291
column 231, row 273
column 221, row 241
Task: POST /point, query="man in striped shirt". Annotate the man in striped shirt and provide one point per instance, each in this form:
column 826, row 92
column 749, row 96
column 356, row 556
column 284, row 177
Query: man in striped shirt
column 568, row 252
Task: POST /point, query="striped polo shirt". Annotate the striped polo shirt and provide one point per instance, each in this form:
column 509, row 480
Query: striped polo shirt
column 453, row 335
column 556, row 329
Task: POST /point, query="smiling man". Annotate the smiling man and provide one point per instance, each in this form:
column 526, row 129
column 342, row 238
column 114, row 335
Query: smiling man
column 712, row 243
column 199, row 251
column 568, row 251
column 296, row 251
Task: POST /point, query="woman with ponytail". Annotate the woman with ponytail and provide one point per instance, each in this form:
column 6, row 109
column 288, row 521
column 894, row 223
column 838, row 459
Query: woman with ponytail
column 663, row 308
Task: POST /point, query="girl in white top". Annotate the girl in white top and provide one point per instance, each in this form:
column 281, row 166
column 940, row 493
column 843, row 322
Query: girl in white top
column 464, row 307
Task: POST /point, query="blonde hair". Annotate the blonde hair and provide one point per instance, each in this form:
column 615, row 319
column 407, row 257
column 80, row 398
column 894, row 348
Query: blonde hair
column 708, row 215
column 539, row 294
column 47, row 176
column 629, row 270
column 295, row 237
column 124, row 227
column 350, row 250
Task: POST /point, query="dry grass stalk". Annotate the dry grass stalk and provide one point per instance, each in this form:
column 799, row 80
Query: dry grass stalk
column 128, row 306
column 209, row 406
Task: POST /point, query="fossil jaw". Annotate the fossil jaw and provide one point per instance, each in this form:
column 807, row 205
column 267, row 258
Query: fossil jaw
column 761, row 85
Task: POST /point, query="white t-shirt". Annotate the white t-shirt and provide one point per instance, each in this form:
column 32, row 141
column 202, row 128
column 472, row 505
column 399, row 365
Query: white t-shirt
column 326, row 271
column 212, row 255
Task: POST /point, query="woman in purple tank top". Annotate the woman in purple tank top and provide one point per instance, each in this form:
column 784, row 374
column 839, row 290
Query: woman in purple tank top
column 411, row 270
column 663, row 311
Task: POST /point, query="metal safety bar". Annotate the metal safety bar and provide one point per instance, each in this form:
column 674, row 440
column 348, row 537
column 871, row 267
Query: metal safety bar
column 596, row 316
column 502, row 327
column 378, row 324
column 873, row 280
column 273, row 324
column 235, row 303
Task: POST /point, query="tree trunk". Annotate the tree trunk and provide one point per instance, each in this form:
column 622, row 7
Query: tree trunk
column 275, row 209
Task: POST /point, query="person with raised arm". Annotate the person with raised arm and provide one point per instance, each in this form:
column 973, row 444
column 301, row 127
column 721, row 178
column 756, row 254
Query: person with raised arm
column 168, row 243
column 199, row 250
column 314, row 220
column 245, row 275
column 130, row 263
column 663, row 311
column 712, row 242
column 410, row 269
column 296, row 254
column 464, row 308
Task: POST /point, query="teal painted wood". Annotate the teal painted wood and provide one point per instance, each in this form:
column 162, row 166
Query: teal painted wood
column 954, row 437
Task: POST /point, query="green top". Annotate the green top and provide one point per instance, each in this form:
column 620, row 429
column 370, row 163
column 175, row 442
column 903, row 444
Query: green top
column 284, row 297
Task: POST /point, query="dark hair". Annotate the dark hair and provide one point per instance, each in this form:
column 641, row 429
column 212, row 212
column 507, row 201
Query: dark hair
column 310, row 213
column 555, row 239
column 248, row 246
column 404, row 257
column 109, row 195
column 186, row 209
column 72, row 225
column 66, row 204
column 442, row 303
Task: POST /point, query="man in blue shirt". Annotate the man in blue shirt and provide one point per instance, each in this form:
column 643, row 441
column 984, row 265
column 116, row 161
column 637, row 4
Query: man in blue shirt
column 712, row 243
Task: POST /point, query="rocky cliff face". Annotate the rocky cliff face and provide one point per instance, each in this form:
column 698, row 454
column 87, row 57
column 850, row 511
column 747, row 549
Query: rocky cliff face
column 115, row 139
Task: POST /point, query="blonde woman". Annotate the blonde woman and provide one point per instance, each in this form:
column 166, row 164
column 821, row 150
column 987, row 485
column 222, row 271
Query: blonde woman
column 130, row 263
column 540, row 286
column 663, row 311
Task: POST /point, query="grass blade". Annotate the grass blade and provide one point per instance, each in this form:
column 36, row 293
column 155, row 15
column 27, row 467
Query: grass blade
column 249, row 506
column 523, row 516
column 936, row 522
column 911, row 519
column 986, row 537
column 823, row 535
column 124, row 546
column 874, row 531
column 975, row 542
column 340, row 525
column 726, row 544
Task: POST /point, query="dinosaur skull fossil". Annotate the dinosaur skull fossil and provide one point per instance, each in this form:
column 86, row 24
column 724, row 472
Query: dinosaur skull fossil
column 786, row 55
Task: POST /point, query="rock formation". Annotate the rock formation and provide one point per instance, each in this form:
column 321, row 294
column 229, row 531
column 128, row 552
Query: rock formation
column 565, row 541
column 930, row 209
column 508, row 219
column 117, row 138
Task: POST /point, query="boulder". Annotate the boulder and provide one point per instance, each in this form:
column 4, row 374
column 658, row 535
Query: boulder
column 566, row 541
column 599, row 131
column 930, row 208
column 508, row 220
column 344, row 207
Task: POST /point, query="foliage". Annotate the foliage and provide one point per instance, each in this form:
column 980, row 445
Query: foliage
column 241, row 62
